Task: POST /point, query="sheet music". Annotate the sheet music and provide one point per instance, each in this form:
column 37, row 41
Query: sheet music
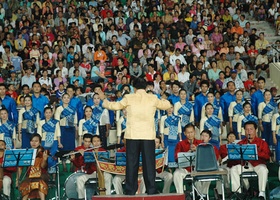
column 19, row 157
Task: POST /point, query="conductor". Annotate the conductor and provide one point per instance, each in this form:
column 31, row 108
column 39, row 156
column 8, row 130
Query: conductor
column 140, row 134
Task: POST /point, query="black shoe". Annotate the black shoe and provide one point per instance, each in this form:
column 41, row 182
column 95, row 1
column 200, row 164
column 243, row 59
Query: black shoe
column 261, row 197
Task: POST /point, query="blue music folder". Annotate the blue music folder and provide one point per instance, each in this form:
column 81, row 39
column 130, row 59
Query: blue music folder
column 102, row 156
column 19, row 157
column 249, row 151
column 121, row 159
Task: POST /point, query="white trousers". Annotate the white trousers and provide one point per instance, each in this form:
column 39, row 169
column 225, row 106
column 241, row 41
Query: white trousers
column 7, row 185
column 167, row 178
column 81, row 180
column 226, row 179
column 117, row 183
column 178, row 178
column 260, row 169
column 119, row 179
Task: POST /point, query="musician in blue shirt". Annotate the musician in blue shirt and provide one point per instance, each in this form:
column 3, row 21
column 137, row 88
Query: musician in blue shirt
column 9, row 104
column 257, row 97
column 200, row 100
column 39, row 101
column 226, row 99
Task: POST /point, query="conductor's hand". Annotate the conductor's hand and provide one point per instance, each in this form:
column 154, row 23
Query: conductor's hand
column 101, row 95
column 45, row 155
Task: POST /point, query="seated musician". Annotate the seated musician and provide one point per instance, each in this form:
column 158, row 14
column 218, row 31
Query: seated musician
column 259, row 166
column 5, row 173
column 88, row 168
column 35, row 184
column 224, row 162
column 119, row 179
column 203, row 187
column 160, row 173
column 189, row 144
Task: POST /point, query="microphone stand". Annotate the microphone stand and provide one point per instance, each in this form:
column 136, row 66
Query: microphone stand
column 241, row 165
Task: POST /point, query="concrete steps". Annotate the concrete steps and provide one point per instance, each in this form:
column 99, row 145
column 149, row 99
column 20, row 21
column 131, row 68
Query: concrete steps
column 266, row 27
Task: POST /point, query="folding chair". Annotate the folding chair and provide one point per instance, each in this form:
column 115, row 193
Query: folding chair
column 206, row 168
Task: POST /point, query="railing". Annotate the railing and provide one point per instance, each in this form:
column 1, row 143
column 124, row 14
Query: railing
column 276, row 53
column 274, row 73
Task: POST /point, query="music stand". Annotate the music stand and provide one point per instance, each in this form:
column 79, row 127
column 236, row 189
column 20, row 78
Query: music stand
column 19, row 157
column 242, row 152
column 186, row 159
column 90, row 158
column 121, row 159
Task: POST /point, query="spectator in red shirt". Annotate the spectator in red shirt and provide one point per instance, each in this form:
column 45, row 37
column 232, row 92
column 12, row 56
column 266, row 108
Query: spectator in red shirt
column 150, row 74
column 106, row 9
column 249, row 83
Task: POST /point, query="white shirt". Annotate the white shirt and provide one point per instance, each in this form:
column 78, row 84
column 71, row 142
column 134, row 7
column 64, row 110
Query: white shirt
column 173, row 59
column 47, row 81
column 183, row 77
column 239, row 49
column 64, row 71
column 82, row 70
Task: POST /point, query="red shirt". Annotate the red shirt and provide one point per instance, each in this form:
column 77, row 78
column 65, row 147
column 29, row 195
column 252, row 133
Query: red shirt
column 184, row 146
column 150, row 77
column 262, row 148
column 115, row 61
column 223, row 153
column 8, row 171
column 103, row 13
column 248, row 84
column 253, row 52
column 122, row 149
column 79, row 161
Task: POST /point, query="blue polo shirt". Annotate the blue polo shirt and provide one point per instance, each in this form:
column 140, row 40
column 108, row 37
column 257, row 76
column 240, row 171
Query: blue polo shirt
column 11, row 106
column 40, row 103
column 199, row 102
column 225, row 100
column 256, row 98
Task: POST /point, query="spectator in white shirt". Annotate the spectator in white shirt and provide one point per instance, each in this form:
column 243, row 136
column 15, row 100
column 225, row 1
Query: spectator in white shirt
column 28, row 78
column 176, row 56
column 46, row 80
column 62, row 68
column 183, row 76
column 77, row 66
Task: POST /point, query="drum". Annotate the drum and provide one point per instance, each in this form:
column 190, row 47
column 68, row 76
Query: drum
column 70, row 185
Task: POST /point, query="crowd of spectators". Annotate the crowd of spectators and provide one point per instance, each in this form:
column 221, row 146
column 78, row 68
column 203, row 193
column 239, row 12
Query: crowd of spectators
column 171, row 44
column 85, row 42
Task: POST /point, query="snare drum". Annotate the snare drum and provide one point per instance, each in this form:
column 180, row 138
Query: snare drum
column 70, row 185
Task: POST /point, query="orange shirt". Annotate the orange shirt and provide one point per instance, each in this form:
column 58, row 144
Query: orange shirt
column 239, row 30
column 100, row 55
